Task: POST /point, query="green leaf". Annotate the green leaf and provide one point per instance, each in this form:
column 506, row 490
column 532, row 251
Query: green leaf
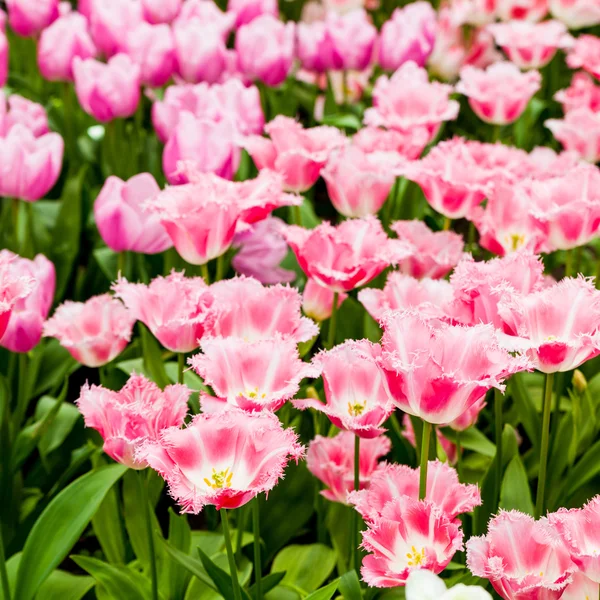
column 107, row 260
column 55, row 364
column 61, row 585
column 306, row 567
column 60, row 526
column 221, row 578
column 472, row 439
column 586, row 469
column 515, row 493
column 189, row 563
column 62, row 425
column 119, row 582
column 342, row 121
column 526, row 409
column 153, row 361
column 267, row 584
column 175, row 578
column 349, row 586
column 325, row 593
column 336, row 521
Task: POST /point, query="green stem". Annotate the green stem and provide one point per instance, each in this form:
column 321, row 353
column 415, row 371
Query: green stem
column 68, row 119
column 220, row 268
column 332, row 322
column 143, row 482
column 496, row 133
column 3, row 571
column 142, row 271
column 447, row 224
column 240, row 528
column 230, row 557
column 547, row 409
column 297, row 215
column 16, row 213
column 577, row 260
column 498, row 410
column 458, row 456
column 257, row 557
column 424, row 460
column 569, row 264
column 22, row 393
column 205, row 274
column 180, row 366
column 354, row 537
column 121, row 264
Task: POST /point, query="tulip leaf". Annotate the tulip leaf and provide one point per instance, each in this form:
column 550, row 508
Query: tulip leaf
column 191, row 564
column 472, row 439
column 55, row 364
column 153, row 362
column 325, row 593
column 526, row 409
column 63, row 423
column 349, row 586
column 306, row 567
column 61, row 585
column 175, row 578
column 60, row 526
column 515, row 493
column 267, row 584
column 221, row 578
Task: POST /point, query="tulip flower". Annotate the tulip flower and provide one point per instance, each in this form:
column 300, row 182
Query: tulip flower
column 585, row 55
column 152, row 48
column 24, row 112
column 28, row 18
column 578, row 132
column 582, row 93
column 207, row 13
column 111, row 21
column 527, row 10
column 246, row 11
column 581, row 587
column 160, row 11
column 14, row 286
column 576, row 14
column 317, row 301
column 409, row 144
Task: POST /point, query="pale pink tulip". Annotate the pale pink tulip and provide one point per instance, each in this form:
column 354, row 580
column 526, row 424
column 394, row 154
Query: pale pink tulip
column 160, row 11
column 582, row 93
column 111, row 21
column 578, row 132
column 3, row 58
column 174, row 308
column 469, row 417
column 28, row 18
column 409, row 144
column 223, row 459
column 331, row 460
column 94, row 332
column 354, row 37
column 140, row 411
column 576, row 14
column 450, row 48
column 317, row 301
column 528, row 10
column 152, row 48
column 581, row 587
column 17, row 109
column 246, row 11
column 585, row 54
column 209, row 14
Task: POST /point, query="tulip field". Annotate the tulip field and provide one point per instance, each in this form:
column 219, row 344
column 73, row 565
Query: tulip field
column 300, row 300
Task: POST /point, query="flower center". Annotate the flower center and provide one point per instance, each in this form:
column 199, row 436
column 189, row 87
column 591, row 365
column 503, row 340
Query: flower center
column 415, row 557
column 253, row 394
column 220, row 480
column 515, row 240
column 357, row 408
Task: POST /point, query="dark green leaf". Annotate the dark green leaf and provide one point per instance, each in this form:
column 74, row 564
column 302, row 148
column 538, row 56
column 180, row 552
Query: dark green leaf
column 65, row 586
column 515, row 493
column 55, row 364
column 62, row 425
column 221, row 578
column 193, row 565
column 306, row 567
column 526, row 409
column 175, row 578
column 153, row 362
column 472, row 439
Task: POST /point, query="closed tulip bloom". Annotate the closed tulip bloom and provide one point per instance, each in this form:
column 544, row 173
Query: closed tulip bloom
column 357, row 398
column 107, row 91
column 354, row 37
column 246, row 11
column 94, row 332
column 317, row 301
column 152, row 48
column 223, row 459
column 411, row 535
column 578, row 132
column 316, row 49
column 582, row 93
column 409, row 143
column 392, row 481
column 424, row 585
column 265, row 49
column 140, row 411
column 28, row 18
column 348, row 256
column 174, row 308
column 437, row 253
column 14, row 286
column 585, row 54
column 247, row 310
column 208, row 13
column 576, row 14
column 499, row 94
column 24, row 112
column 160, row 11
column 409, row 34
column 522, row 558
column 253, row 376
column 121, row 219
column 331, row 460
column 29, row 166
column 111, row 21
column 527, row 10
column 29, row 312
column 60, row 43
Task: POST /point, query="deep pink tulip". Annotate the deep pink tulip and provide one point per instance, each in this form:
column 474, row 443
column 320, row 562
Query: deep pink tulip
column 60, row 43
column 111, row 21
column 160, row 11
column 14, row 286
column 409, row 34
column 265, row 49
column 121, row 219
column 3, row 58
column 209, row 14
column 28, row 312
column 174, row 308
column 527, row 10
column 331, row 460
column 409, row 144
column 585, row 54
column 317, row 301
column 246, row 11
column 576, row 14
column 24, row 112
column 249, row 311
column 316, row 49
column 582, row 93
column 139, row 412
column 521, row 557
column 578, row 132
column 152, row 48
column 27, row 18
column 224, row 459
column 107, row 91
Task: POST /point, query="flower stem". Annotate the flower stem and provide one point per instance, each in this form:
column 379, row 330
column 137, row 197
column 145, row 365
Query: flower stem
column 240, row 525
column 355, row 554
column 332, row 322
column 458, row 456
column 143, row 482
column 498, row 401
column 257, row 557
column 22, row 392
column 3, row 571
column 569, row 264
column 447, row 224
column 180, row 366
column 547, row 409
column 121, row 264
column 205, row 274
column 424, row 460
column 220, row 267
column 233, row 569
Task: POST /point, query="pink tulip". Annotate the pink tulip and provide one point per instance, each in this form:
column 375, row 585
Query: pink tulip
column 121, row 219
column 29, row 166
column 3, row 58
column 94, row 332
column 499, row 94
column 409, row 144
column 578, row 132
column 317, row 301
column 481, row 50
column 28, row 18
column 408, row 100
column 439, row 384
column 15, row 286
column 437, row 253
column 209, row 14
column 298, row 154
column 140, row 411
column 224, row 459
column 174, row 308
column 107, row 91
column 469, row 417
column 581, row 587
column 60, row 43
column 359, row 183
column 24, row 112
column 316, row 49
column 209, row 146
column 409, row 34
column 160, row 11
column 249, row 311
column 521, row 557
column 391, row 481
column 585, row 54
column 450, row 450
column 347, row 256
column 152, row 48
column 576, row 14
column 331, row 460
column 260, row 252
column 265, row 49
column 246, row 11
column 558, row 327
column 582, row 93
column 357, row 398
column 111, row 21
column 530, row 45
column 354, row 37
column 527, row 10
column 450, row 48
column 410, row 535
column 85, row 8
column 24, row 328
column 253, row 376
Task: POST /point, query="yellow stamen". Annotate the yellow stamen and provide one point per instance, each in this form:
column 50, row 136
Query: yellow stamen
column 415, row 558
column 220, row 480
column 356, row 409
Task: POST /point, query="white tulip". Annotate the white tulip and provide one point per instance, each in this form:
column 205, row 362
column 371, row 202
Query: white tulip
column 424, row 585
